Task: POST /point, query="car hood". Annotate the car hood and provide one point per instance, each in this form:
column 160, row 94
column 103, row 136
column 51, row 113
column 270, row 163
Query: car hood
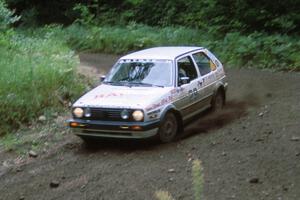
column 121, row 96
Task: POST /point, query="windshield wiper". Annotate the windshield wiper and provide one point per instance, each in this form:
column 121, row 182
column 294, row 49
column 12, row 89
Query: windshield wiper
column 112, row 82
column 129, row 84
column 117, row 83
column 146, row 84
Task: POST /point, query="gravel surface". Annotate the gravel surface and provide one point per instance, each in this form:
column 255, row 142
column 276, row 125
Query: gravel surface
column 251, row 150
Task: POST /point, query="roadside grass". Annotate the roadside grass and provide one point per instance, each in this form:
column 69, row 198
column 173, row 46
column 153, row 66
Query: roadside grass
column 197, row 171
column 39, row 137
column 9, row 142
column 255, row 50
column 163, row 195
column 38, row 74
column 258, row 50
column 197, row 175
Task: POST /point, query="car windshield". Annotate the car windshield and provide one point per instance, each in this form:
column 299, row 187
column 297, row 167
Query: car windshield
column 141, row 73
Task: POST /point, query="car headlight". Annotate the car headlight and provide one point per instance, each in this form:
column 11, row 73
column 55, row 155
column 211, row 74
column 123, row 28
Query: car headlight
column 87, row 112
column 78, row 112
column 125, row 114
column 138, row 115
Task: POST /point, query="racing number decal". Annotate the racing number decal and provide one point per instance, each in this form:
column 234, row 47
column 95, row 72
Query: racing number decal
column 193, row 94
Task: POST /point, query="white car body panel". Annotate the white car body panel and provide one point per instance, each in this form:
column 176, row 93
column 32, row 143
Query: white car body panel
column 122, row 97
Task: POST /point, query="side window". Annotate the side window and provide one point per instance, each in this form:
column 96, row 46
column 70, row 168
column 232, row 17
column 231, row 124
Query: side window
column 186, row 68
column 204, row 64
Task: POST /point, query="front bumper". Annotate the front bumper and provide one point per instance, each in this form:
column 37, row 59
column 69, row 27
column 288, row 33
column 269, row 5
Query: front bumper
column 113, row 129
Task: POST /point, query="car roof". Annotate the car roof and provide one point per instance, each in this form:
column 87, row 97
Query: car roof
column 169, row 53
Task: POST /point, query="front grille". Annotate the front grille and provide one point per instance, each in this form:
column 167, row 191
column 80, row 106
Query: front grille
column 107, row 133
column 108, row 114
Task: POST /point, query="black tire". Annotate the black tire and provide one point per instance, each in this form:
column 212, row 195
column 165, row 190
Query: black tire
column 218, row 101
column 168, row 128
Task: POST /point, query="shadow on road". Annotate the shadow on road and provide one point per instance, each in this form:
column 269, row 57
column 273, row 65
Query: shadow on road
column 207, row 121
column 118, row 145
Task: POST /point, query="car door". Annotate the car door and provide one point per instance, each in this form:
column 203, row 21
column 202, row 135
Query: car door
column 188, row 92
column 207, row 69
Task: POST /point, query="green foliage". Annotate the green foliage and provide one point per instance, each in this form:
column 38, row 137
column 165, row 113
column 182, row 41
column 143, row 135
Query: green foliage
column 224, row 15
column 29, row 18
column 6, row 16
column 86, row 17
column 258, row 50
column 37, row 73
column 123, row 39
column 9, row 142
column 261, row 51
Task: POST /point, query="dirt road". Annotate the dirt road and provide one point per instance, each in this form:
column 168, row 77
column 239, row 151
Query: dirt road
column 249, row 151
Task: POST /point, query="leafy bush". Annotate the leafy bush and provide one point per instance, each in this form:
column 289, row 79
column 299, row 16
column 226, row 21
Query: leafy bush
column 123, row 39
column 258, row 50
column 273, row 16
column 86, row 17
column 37, row 74
column 6, row 16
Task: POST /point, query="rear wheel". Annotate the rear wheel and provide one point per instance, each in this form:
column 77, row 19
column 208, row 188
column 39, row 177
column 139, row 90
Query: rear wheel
column 218, row 101
column 168, row 128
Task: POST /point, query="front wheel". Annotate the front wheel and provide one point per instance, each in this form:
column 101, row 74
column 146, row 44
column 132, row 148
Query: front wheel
column 168, row 128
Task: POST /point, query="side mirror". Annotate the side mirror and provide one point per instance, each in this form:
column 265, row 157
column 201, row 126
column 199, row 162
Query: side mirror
column 184, row 80
column 102, row 78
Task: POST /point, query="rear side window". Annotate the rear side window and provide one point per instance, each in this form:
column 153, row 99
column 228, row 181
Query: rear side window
column 186, row 68
column 204, row 64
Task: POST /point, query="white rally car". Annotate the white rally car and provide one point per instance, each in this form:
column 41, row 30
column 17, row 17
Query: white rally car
column 152, row 92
